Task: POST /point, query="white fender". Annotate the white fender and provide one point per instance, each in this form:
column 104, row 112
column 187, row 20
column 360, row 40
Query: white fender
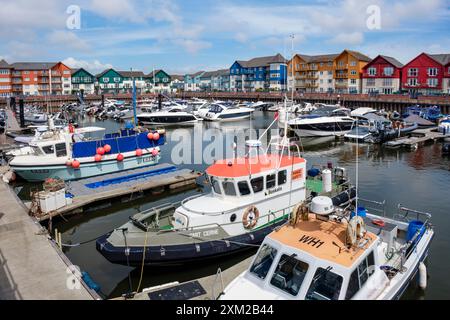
column 422, row 276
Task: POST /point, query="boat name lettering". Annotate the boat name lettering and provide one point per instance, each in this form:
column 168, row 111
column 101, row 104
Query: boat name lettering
column 274, row 190
column 40, row 171
column 312, row 241
column 147, row 159
column 297, row 174
column 207, row 233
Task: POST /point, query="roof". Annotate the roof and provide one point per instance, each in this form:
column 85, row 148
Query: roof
column 322, row 239
column 318, row 58
column 443, row 59
column 177, row 77
column 105, row 71
column 359, row 55
column 73, row 71
column 33, row 65
column 392, row 61
column 4, row 64
column 193, row 75
column 155, row 72
column 262, row 61
column 239, row 167
column 131, row 74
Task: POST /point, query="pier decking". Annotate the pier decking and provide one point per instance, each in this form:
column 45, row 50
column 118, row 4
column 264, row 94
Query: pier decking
column 418, row 137
column 31, row 267
column 206, row 288
column 110, row 186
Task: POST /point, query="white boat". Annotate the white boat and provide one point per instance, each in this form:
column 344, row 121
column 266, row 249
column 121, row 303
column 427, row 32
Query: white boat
column 261, row 105
column 36, row 118
column 330, row 253
column 222, row 112
column 167, row 117
column 322, row 122
column 444, row 127
column 67, row 154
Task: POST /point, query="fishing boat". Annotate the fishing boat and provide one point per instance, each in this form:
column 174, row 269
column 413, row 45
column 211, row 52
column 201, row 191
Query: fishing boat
column 325, row 121
column 327, row 252
column 167, row 117
column 68, row 155
column 222, row 112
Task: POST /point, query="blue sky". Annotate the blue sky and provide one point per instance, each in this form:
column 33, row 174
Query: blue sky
column 184, row 36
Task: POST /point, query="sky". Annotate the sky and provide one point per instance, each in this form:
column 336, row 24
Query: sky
column 184, row 36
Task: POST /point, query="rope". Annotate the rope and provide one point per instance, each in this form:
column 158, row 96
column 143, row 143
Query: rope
column 143, row 262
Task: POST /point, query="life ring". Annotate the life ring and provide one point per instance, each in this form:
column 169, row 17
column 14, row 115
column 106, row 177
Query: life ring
column 300, row 210
column 356, row 229
column 250, row 217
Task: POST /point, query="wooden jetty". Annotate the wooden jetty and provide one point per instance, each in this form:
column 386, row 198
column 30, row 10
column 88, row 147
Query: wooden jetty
column 31, row 266
column 107, row 187
column 206, row 288
column 417, row 138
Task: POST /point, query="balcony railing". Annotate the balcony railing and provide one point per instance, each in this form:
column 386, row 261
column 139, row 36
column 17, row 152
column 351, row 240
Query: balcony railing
column 341, row 75
column 342, row 67
column 341, row 84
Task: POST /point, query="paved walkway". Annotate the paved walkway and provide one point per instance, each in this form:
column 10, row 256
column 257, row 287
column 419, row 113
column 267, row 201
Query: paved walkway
column 30, row 266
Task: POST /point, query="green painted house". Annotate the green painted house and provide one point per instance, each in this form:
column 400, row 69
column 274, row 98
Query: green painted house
column 83, row 81
column 110, row 81
column 159, row 80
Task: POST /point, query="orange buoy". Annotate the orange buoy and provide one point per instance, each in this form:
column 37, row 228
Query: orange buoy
column 68, row 163
column 101, row 151
column 75, row 164
column 155, row 152
column 98, row 158
column 139, row 152
column 107, row 148
column 150, row 136
column 120, row 157
column 156, row 136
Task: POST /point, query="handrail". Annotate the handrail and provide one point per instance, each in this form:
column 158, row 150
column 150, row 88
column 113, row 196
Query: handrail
column 218, row 274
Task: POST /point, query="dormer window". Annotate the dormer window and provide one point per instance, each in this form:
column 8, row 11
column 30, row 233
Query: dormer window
column 372, row 71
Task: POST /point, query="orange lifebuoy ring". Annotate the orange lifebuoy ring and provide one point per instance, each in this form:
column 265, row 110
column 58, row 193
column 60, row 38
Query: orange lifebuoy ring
column 250, row 217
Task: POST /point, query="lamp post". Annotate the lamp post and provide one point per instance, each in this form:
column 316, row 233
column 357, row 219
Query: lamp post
column 134, row 98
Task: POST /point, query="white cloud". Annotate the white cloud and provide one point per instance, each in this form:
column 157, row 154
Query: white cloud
column 192, row 46
column 68, row 39
column 92, row 66
column 352, row 38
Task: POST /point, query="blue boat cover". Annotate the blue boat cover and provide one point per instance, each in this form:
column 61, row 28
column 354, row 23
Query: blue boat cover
column 123, row 144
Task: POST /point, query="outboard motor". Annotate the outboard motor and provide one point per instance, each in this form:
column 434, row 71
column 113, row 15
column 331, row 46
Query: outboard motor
column 446, row 149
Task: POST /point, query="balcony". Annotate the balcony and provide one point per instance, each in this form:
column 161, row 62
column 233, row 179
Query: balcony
column 312, row 76
column 342, row 67
column 312, row 85
column 339, row 75
column 341, row 84
column 56, row 80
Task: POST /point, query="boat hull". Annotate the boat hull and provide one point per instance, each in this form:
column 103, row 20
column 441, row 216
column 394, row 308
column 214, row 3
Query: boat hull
column 87, row 169
column 183, row 253
column 168, row 120
column 229, row 117
column 322, row 129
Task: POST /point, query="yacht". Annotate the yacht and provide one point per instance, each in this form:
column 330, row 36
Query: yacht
column 168, row 116
column 222, row 112
column 324, row 121
column 329, row 252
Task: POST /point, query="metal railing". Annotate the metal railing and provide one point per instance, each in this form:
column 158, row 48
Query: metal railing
column 213, row 291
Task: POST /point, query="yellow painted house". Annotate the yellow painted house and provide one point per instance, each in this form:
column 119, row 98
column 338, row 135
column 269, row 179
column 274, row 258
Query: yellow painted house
column 347, row 71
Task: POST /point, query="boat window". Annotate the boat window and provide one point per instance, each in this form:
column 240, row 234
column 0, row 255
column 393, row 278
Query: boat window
column 282, row 177
column 257, row 184
column 36, row 150
column 215, row 185
column 49, row 149
column 244, row 189
column 360, row 276
column 326, row 285
column 61, row 150
column 270, row 181
column 228, row 188
column 289, row 274
column 263, row 261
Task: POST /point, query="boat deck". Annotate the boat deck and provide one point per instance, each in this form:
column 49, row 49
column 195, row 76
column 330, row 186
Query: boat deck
column 31, row 266
column 94, row 189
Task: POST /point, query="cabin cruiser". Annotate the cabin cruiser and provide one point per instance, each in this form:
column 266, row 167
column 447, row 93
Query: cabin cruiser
column 222, row 112
column 365, row 125
column 261, row 105
column 324, row 121
column 251, row 196
column 69, row 155
column 168, row 116
column 330, row 252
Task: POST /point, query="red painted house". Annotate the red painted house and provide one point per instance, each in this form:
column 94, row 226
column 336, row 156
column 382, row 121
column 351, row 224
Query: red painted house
column 383, row 75
column 426, row 73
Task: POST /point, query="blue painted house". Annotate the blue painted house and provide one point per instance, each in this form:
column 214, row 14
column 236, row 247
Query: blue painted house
column 259, row 74
column 192, row 81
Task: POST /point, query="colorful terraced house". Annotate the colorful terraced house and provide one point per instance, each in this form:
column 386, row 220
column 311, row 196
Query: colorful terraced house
column 83, row 81
column 382, row 75
column 159, row 81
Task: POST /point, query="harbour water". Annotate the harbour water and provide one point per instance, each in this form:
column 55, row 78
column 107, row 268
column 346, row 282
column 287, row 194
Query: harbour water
column 418, row 179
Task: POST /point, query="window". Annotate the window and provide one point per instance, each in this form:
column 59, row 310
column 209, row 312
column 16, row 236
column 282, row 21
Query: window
column 412, row 82
column 352, row 81
column 49, row 149
column 433, row 82
column 372, row 71
column 26, row 79
column 289, row 274
column 360, row 276
column 387, row 82
column 432, row 72
column 353, row 72
column 330, row 81
column 106, row 80
column 228, row 188
column 244, row 189
column 257, row 184
column 413, row 72
column 215, row 185
column 61, row 150
column 270, row 181
column 116, row 79
column 388, row 71
column 330, row 73
column 370, row 82
column 353, row 63
column 263, row 261
column 282, row 177
column 326, row 285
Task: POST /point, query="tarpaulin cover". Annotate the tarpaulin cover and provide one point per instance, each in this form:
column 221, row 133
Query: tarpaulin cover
column 118, row 145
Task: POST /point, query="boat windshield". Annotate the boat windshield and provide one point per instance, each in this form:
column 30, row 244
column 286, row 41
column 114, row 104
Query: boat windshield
column 289, row 274
column 326, row 285
column 36, row 150
column 263, row 261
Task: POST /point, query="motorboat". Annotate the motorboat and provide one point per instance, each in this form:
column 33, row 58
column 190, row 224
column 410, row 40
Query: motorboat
column 365, row 125
column 261, row 105
column 432, row 113
column 327, row 252
column 222, row 112
column 167, row 117
column 325, row 121
column 68, row 154
column 444, row 127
